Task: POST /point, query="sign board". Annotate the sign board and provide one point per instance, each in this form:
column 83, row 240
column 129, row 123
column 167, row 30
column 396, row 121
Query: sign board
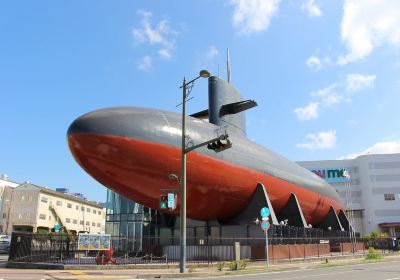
column 265, row 225
column 332, row 175
column 171, row 201
column 90, row 241
column 265, row 212
column 57, row 228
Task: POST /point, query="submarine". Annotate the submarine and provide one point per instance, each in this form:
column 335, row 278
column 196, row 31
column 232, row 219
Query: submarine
column 136, row 152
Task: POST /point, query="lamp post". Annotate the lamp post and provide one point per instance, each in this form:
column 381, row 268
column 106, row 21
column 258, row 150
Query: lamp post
column 182, row 261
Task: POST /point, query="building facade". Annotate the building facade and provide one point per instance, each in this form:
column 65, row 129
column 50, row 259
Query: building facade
column 5, row 186
column 372, row 193
column 32, row 208
column 129, row 223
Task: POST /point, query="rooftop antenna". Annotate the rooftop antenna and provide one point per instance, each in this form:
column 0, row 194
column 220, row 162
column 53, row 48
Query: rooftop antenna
column 228, row 66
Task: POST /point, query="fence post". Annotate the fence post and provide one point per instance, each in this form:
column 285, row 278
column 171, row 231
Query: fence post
column 30, row 248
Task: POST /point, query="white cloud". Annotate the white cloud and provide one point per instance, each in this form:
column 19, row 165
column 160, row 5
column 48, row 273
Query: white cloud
column 310, row 112
column 321, row 141
column 314, row 63
column 165, row 53
column 208, row 58
column 329, row 96
column 211, row 53
column 369, row 24
column 312, row 8
column 356, row 82
column 389, row 147
column 160, row 35
column 145, row 64
column 334, row 94
column 253, row 15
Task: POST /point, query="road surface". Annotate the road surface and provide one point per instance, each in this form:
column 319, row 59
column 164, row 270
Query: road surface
column 372, row 271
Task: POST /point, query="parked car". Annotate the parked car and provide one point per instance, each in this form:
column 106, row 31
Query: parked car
column 5, row 242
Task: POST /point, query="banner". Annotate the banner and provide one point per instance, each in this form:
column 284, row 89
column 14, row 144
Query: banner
column 91, row 241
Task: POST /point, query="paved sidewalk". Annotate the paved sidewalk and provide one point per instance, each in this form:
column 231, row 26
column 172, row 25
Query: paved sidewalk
column 162, row 271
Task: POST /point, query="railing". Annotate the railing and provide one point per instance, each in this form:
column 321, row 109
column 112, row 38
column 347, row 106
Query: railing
column 62, row 248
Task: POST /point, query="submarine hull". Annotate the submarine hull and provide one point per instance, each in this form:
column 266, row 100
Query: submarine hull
column 133, row 151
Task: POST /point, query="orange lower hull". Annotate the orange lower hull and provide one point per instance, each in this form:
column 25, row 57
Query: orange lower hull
column 216, row 189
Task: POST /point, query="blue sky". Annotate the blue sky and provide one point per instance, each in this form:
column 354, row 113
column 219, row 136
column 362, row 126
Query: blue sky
column 324, row 73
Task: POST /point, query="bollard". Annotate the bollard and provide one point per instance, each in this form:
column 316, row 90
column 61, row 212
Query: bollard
column 237, row 251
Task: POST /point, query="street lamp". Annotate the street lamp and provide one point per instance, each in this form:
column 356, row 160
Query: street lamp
column 182, row 261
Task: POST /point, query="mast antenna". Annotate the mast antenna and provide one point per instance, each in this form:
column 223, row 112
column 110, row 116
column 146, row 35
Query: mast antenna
column 228, row 66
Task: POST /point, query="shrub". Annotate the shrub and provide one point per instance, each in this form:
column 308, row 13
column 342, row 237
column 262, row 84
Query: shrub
column 373, row 254
column 233, row 265
column 374, row 234
column 242, row 264
column 220, row 266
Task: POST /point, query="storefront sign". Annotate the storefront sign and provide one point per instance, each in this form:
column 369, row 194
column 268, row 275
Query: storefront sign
column 332, row 175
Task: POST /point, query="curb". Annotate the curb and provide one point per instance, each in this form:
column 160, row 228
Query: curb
column 167, row 271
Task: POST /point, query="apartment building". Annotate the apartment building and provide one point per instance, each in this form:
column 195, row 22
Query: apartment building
column 33, row 208
column 5, row 184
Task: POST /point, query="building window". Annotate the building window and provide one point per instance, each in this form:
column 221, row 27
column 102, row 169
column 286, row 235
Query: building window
column 59, row 203
column 81, row 222
column 44, row 199
column 88, row 223
column 93, row 224
column 68, row 220
column 82, row 208
column 98, row 224
column 69, row 205
column 42, row 216
column 77, row 207
column 389, row 196
column 88, row 210
column 99, row 212
column 74, row 222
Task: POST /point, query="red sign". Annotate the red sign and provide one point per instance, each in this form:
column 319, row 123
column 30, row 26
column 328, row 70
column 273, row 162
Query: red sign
column 265, row 225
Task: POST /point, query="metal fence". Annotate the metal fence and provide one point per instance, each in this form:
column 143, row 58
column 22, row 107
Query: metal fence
column 62, row 248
